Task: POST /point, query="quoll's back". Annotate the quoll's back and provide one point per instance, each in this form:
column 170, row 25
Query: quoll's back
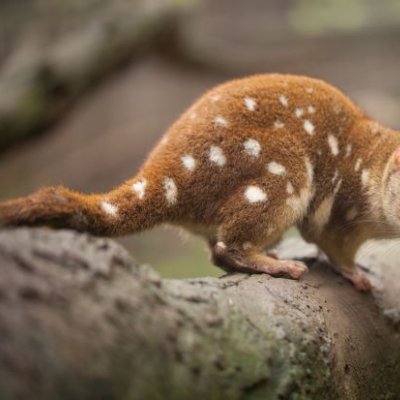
column 249, row 159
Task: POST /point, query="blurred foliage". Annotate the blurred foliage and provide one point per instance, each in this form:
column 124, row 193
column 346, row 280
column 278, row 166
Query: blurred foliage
column 317, row 16
column 75, row 43
column 172, row 252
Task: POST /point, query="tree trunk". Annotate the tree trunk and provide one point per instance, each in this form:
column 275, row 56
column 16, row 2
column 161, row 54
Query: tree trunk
column 79, row 320
column 53, row 51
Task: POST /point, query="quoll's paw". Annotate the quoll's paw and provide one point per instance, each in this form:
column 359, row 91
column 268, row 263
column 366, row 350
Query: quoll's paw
column 293, row 269
column 359, row 280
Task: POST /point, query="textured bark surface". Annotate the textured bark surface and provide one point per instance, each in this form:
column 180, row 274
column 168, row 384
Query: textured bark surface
column 79, row 320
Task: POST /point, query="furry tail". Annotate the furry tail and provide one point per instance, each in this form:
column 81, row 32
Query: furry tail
column 122, row 211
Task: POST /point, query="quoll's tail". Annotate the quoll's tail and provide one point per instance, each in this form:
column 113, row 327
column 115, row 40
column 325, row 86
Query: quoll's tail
column 130, row 208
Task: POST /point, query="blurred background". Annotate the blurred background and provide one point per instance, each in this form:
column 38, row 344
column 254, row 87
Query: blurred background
column 88, row 86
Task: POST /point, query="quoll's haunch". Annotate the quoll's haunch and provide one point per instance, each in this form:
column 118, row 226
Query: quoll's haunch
column 248, row 160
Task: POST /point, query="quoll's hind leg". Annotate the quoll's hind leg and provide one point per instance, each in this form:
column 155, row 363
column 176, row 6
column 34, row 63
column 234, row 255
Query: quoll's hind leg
column 254, row 262
column 247, row 228
column 341, row 249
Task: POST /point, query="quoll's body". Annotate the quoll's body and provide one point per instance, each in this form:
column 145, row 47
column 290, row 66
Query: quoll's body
column 249, row 159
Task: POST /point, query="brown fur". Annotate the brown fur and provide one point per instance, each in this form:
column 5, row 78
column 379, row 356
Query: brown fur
column 211, row 199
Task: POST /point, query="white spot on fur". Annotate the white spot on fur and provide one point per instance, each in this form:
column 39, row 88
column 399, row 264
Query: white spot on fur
column 270, row 231
column 348, row 150
column 310, row 171
column 299, row 112
column 221, row 121
column 357, row 164
column 309, row 90
column 217, row 156
column 283, row 100
column 215, row 97
column 250, row 103
column 299, row 204
column 337, row 187
column 189, row 162
column 139, row 188
column 321, row 216
column 337, row 109
column 276, row 168
column 289, row 188
column 171, row 191
column 309, row 127
column 222, row 245
column 278, row 124
column 247, row 246
column 109, row 208
column 333, row 145
column 364, row 177
column 193, row 115
column 375, row 128
column 254, row 194
column 311, row 109
column 164, row 139
column 335, row 175
column 294, row 203
column 351, row 214
column 252, row 147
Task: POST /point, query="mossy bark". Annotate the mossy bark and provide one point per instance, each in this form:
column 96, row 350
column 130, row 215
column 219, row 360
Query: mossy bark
column 79, row 320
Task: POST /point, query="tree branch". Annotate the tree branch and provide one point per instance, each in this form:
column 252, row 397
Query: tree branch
column 79, row 320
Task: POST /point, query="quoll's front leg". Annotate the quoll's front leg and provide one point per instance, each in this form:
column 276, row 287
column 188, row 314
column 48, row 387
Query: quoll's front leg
column 357, row 278
column 341, row 250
